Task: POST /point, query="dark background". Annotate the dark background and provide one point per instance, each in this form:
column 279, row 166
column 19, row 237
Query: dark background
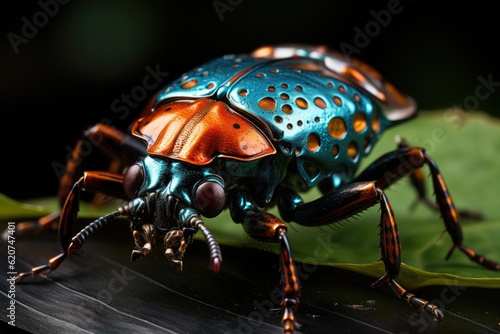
column 87, row 53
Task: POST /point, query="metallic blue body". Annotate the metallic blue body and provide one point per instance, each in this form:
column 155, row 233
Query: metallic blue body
column 298, row 101
column 292, row 86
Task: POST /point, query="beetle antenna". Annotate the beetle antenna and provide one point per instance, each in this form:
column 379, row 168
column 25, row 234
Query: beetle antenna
column 213, row 245
column 90, row 229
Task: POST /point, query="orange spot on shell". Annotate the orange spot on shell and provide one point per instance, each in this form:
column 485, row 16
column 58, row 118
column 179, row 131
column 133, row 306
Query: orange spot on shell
column 352, row 150
column 335, row 150
column 189, row 84
column 337, row 128
column 320, row 102
column 337, row 101
column 287, row 109
column 359, row 121
column 313, row 142
column 267, row 103
column 301, row 103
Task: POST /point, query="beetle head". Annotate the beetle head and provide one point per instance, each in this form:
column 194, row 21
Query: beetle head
column 199, row 188
column 168, row 199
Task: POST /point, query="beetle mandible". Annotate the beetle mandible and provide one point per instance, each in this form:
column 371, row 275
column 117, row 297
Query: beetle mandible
column 250, row 131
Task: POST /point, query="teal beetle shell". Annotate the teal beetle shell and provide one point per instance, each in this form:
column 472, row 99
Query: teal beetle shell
column 326, row 110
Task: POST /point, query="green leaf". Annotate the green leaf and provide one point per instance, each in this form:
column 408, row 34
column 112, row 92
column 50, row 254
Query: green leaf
column 464, row 146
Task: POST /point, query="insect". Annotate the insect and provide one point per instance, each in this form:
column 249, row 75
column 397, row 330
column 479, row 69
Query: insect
column 248, row 132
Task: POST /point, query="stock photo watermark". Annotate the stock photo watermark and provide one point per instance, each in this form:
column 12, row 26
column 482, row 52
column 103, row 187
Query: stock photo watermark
column 31, row 26
column 461, row 112
column 364, row 35
column 456, row 116
column 11, row 272
column 223, row 6
column 139, row 93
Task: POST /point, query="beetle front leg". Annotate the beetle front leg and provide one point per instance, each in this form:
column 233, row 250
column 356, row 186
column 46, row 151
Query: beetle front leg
column 103, row 182
column 266, row 227
column 346, row 202
column 393, row 166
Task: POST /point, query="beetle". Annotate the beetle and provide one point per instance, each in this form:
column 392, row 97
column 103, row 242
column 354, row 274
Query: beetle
column 244, row 133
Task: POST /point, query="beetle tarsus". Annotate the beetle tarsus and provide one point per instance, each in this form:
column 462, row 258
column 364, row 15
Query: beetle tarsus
column 289, row 307
column 477, row 258
column 49, row 267
column 413, row 300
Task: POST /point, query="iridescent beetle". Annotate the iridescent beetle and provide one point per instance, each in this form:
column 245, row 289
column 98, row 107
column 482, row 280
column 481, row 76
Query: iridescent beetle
column 247, row 132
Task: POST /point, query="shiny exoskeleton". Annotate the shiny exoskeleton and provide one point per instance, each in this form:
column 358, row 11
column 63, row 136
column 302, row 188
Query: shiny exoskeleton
column 247, row 132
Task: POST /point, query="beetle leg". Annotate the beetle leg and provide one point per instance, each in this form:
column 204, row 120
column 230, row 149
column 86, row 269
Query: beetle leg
column 417, row 179
column 392, row 166
column 76, row 242
column 290, row 284
column 113, row 142
column 103, row 182
column 266, row 227
column 345, row 202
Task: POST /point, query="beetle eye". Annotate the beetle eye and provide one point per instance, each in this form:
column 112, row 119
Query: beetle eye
column 210, row 198
column 132, row 180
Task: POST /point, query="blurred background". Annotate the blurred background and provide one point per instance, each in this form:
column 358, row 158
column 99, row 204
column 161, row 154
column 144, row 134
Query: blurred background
column 66, row 65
